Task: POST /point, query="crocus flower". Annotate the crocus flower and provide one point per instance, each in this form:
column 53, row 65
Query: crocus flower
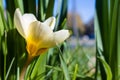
column 39, row 36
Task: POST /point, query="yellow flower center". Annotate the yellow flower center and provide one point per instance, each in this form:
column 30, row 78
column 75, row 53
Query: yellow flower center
column 33, row 49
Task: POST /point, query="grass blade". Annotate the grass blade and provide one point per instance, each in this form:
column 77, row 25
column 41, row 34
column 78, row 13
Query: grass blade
column 10, row 9
column 39, row 67
column 49, row 11
column 9, row 68
column 75, row 73
column 64, row 66
column 118, row 45
column 41, row 14
column 19, row 4
column 106, row 67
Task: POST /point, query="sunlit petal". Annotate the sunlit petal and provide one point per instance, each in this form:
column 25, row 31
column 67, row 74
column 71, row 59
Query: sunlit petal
column 38, row 39
column 19, row 22
column 61, row 35
column 38, row 31
column 50, row 22
column 28, row 19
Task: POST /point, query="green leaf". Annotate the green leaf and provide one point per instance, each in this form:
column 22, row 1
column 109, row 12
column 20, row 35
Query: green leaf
column 10, row 9
column 113, row 41
column 1, row 26
column 49, row 10
column 113, row 28
column 10, row 25
column 98, row 33
column 39, row 67
column 107, row 14
column 9, row 68
column 106, row 67
column 118, row 45
column 75, row 72
column 19, row 4
column 41, row 12
column 64, row 66
column 58, row 14
column 104, row 28
column 4, row 44
column 63, row 24
column 61, row 13
column 3, row 17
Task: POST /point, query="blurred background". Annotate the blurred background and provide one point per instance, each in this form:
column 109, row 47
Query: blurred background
column 80, row 19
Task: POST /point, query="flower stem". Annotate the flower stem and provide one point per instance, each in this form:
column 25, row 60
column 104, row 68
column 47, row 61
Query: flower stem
column 22, row 75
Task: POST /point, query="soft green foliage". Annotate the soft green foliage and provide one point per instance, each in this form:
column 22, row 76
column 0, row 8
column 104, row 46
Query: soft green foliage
column 59, row 63
column 107, row 37
column 64, row 68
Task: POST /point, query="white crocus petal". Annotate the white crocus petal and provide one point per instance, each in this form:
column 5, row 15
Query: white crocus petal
column 50, row 22
column 19, row 23
column 55, row 38
column 39, row 32
column 28, row 19
column 61, row 35
column 39, row 37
